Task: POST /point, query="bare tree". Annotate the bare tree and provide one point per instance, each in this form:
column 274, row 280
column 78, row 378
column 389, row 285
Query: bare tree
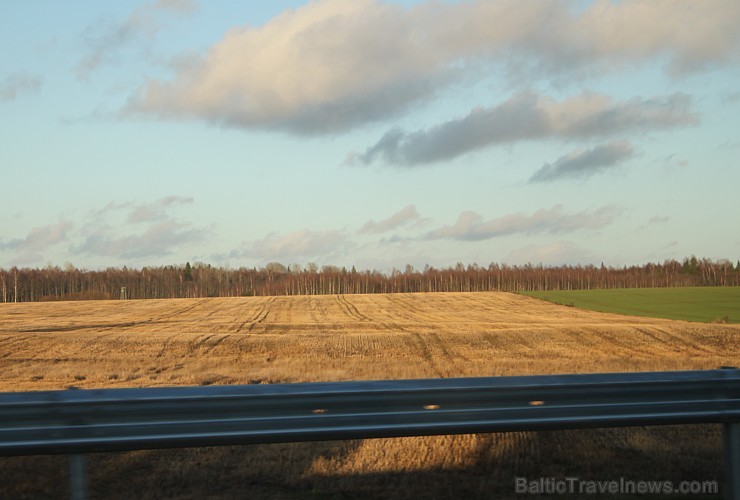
column 15, row 284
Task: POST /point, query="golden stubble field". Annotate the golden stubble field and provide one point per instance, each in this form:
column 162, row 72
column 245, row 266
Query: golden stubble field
column 46, row 346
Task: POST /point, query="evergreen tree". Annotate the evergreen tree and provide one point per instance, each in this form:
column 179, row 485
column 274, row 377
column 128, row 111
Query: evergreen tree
column 188, row 274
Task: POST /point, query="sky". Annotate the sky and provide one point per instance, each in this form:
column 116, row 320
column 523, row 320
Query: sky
column 368, row 133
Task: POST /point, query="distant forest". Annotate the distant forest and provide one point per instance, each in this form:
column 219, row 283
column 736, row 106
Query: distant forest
column 203, row 280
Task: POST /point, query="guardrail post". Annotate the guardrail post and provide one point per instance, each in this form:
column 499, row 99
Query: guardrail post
column 732, row 460
column 78, row 477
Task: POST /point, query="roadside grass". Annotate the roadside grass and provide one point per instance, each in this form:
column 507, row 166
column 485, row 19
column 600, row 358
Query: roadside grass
column 700, row 304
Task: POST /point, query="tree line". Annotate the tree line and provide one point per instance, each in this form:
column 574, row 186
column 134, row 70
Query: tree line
column 203, row 280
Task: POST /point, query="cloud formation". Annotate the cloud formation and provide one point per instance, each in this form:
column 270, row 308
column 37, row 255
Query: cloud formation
column 332, row 65
column 304, row 244
column 157, row 240
column 39, row 238
column 137, row 230
column 17, row 84
column 156, row 210
column 105, row 40
column 529, row 116
column 471, row 226
column 553, row 254
column 582, row 164
column 408, row 215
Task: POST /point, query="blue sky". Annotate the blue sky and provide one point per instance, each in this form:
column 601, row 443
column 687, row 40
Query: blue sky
column 368, row 133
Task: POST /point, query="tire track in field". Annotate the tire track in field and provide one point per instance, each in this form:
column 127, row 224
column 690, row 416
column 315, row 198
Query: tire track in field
column 257, row 316
column 218, row 342
column 178, row 312
column 166, row 344
column 412, row 308
column 433, row 347
column 92, row 340
column 675, row 339
column 403, row 310
column 318, row 318
column 455, row 361
column 503, row 307
column 204, row 346
column 197, row 344
column 350, row 309
column 218, row 308
column 262, row 315
column 426, row 354
column 282, row 316
column 420, row 309
column 607, row 340
column 79, row 328
column 689, row 344
column 12, row 339
column 390, row 315
column 239, row 324
column 11, row 342
column 484, row 304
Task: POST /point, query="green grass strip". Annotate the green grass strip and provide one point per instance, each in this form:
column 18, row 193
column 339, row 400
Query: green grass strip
column 703, row 304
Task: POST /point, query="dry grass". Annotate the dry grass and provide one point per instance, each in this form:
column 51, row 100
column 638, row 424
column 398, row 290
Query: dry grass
column 319, row 338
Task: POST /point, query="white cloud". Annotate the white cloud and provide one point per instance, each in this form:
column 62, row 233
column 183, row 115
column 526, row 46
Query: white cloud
column 128, row 230
column 471, row 226
column 654, row 223
column 659, row 220
column 553, row 254
column 104, row 40
column 156, row 210
column 408, row 215
column 39, row 238
column 323, row 67
column 690, row 34
column 157, row 240
column 305, row 244
column 333, row 64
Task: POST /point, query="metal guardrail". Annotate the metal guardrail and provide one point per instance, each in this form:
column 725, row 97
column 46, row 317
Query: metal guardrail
column 83, row 421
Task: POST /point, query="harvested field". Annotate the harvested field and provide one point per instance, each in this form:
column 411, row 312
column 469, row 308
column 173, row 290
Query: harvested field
column 321, row 338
